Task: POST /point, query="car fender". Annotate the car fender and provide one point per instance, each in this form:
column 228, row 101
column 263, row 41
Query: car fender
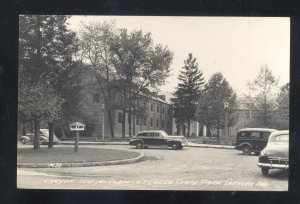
column 134, row 141
column 245, row 143
column 170, row 142
column 25, row 138
column 43, row 138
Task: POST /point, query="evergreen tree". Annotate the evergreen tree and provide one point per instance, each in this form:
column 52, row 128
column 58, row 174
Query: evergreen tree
column 188, row 92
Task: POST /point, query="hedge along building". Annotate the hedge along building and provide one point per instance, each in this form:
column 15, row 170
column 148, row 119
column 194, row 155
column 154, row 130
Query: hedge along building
column 157, row 110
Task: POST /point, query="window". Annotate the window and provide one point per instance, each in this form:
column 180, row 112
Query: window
column 143, row 134
column 168, row 124
column 265, row 135
column 120, row 117
column 169, row 111
column 96, row 98
column 145, row 121
column 151, row 122
column 244, row 135
column 154, row 134
column 151, row 107
column 157, row 109
column 163, row 123
column 138, row 121
column 163, row 110
column 157, row 123
column 255, row 135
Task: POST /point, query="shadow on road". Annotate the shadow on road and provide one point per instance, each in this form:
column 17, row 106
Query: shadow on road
column 278, row 174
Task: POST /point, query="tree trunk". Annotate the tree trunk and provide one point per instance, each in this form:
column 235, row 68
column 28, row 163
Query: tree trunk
column 133, row 126
column 178, row 129
column 123, row 123
column 189, row 127
column 76, row 142
column 51, row 129
column 62, row 131
column 36, row 142
column 218, row 131
column 111, row 124
column 129, row 123
column 208, row 130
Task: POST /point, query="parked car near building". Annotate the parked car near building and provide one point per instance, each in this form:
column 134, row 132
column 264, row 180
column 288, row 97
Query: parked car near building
column 276, row 154
column 145, row 139
column 44, row 137
column 252, row 139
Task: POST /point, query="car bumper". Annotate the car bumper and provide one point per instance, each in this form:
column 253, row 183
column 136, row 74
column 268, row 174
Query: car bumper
column 273, row 166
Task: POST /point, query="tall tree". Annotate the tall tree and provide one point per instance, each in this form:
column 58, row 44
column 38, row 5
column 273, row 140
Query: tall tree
column 188, row 92
column 263, row 96
column 139, row 64
column 281, row 118
column 95, row 45
column 211, row 107
column 45, row 49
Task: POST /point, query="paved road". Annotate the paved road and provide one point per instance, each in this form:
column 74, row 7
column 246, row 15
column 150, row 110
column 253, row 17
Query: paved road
column 163, row 169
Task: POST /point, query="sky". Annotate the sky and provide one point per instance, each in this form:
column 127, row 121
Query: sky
column 235, row 46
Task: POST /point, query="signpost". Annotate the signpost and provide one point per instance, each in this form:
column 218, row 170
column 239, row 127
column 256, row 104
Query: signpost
column 77, row 126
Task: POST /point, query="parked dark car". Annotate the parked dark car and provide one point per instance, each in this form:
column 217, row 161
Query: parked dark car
column 252, row 139
column 145, row 139
column 44, row 137
column 276, row 154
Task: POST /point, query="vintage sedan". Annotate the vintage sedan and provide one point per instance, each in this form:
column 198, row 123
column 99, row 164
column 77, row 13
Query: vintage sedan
column 145, row 139
column 276, row 154
column 44, row 137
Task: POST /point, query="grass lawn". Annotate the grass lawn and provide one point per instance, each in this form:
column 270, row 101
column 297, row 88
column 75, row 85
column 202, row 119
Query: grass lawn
column 67, row 155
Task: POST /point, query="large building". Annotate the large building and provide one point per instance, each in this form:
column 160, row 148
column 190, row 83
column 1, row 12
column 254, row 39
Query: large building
column 158, row 112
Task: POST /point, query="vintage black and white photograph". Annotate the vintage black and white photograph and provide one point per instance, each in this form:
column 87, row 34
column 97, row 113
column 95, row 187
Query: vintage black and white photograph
column 153, row 103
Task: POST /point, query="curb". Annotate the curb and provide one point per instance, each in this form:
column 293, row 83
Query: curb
column 210, row 146
column 95, row 143
column 190, row 144
column 85, row 164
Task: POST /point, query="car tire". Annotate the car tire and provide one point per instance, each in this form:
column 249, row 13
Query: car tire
column 180, row 147
column 139, row 145
column 23, row 141
column 175, row 146
column 265, row 171
column 246, row 150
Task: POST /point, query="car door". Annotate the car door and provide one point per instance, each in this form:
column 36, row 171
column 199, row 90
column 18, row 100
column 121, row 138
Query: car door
column 256, row 140
column 264, row 140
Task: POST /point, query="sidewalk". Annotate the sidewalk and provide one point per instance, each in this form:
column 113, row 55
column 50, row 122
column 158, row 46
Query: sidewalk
column 190, row 144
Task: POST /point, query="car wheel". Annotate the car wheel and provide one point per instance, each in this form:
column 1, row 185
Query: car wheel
column 175, row 146
column 139, row 145
column 181, row 147
column 264, row 171
column 246, row 150
column 23, row 141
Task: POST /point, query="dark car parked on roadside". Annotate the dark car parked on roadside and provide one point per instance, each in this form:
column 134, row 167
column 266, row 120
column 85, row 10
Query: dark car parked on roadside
column 157, row 138
column 252, row 139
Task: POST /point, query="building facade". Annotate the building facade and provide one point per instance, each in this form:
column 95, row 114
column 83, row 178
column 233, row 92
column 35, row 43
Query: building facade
column 158, row 112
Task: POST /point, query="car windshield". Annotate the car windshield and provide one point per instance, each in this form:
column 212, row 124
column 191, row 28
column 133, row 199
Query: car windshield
column 164, row 134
